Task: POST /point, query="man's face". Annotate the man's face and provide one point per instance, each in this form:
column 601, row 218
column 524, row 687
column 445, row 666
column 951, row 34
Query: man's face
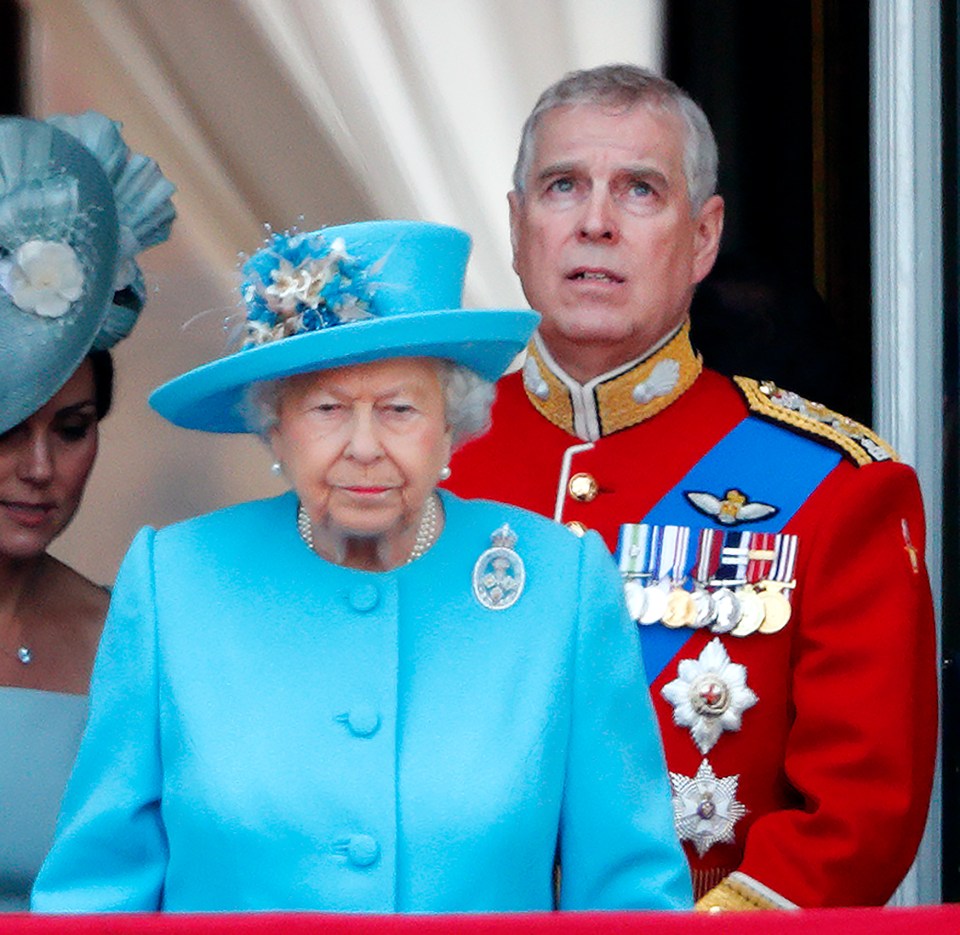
column 604, row 241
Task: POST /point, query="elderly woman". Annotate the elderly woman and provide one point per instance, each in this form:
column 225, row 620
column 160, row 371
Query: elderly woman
column 366, row 694
column 76, row 206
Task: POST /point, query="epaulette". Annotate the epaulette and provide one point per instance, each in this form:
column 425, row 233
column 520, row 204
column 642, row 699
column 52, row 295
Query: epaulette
column 860, row 444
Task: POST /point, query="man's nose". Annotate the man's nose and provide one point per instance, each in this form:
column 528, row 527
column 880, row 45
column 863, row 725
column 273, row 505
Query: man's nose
column 36, row 463
column 599, row 221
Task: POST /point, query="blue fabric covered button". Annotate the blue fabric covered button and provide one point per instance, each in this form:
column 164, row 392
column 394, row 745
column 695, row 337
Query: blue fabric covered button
column 364, row 597
column 363, row 720
column 362, row 850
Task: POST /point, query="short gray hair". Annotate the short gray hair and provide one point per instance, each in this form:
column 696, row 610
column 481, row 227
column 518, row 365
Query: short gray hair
column 626, row 86
column 468, row 399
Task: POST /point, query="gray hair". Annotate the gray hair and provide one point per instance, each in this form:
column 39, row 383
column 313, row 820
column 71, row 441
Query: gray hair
column 626, row 86
column 468, row 398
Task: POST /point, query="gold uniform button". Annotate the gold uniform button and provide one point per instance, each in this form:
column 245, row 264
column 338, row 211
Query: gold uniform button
column 583, row 487
column 576, row 528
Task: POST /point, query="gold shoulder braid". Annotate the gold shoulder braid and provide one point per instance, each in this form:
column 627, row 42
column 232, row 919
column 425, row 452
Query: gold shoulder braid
column 614, row 401
column 859, row 443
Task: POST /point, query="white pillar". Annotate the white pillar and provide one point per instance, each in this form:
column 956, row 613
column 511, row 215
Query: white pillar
column 908, row 292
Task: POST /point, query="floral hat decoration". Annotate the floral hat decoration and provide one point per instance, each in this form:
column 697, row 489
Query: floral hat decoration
column 346, row 295
column 76, row 207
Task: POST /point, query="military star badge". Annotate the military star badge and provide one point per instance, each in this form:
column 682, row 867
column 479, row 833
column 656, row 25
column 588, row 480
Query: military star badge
column 732, row 509
column 705, row 808
column 709, row 695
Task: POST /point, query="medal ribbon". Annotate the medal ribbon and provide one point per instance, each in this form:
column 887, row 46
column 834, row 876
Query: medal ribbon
column 786, row 561
column 734, row 558
column 762, row 555
column 634, row 542
column 681, row 548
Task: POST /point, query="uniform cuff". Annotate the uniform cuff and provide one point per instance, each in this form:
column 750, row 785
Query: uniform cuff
column 738, row 892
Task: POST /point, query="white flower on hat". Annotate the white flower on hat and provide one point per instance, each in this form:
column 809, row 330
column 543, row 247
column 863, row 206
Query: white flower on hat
column 45, row 277
column 283, row 293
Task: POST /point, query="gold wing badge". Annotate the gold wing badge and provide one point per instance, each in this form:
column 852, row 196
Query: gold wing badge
column 732, row 509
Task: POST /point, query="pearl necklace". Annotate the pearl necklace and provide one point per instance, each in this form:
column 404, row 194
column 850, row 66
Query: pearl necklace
column 426, row 531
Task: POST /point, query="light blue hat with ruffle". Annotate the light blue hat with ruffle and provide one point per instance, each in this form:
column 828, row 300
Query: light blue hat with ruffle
column 347, row 295
column 76, row 207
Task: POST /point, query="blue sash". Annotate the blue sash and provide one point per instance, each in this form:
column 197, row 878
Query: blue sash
column 768, row 463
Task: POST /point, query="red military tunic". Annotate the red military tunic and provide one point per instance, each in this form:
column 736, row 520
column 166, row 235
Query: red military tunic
column 824, row 785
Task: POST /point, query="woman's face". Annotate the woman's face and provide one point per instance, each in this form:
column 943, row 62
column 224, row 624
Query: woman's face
column 44, row 465
column 364, row 445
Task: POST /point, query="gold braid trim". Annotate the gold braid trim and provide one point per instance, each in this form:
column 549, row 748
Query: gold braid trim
column 859, row 443
column 557, row 407
column 733, row 895
column 612, row 399
column 616, row 406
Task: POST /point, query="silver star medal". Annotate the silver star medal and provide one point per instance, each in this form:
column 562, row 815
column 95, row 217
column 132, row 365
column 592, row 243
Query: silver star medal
column 709, row 695
column 705, row 808
column 499, row 575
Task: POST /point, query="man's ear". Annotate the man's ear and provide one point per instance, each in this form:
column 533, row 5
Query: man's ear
column 515, row 201
column 707, row 233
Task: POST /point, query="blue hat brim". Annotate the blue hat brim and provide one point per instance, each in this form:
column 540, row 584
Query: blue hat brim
column 211, row 397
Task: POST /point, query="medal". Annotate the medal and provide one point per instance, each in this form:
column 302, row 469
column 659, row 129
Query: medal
column 632, row 549
column 680, row 610
column 777, row 608
column 636, row 598
column 657, row 586
column 499, row 575
column 656, row 604
column 709, row 695
column 731, row 572
column 705, row 807
column 752, row 611
column 759, row 560
column 709, row 544
column 776, row 602
column 727, row 608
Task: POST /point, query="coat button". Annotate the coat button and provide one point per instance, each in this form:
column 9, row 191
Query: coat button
column 362, row 850
column 583, row 488
column 363, row 720
column 363, row 598
column 578, row 529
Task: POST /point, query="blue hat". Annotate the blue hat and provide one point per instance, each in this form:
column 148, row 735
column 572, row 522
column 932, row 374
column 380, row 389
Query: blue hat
column 76, row 206
column 347, row 295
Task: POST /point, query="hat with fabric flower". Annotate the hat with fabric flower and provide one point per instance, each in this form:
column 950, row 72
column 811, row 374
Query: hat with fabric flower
column 76, row 207
column 347, row 295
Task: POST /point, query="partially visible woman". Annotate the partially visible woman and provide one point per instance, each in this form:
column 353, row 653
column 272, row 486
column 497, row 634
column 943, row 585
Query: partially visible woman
column 75, row 208
column 365, row 695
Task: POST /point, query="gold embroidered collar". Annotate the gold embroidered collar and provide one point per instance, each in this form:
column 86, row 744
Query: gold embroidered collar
column 617, row 400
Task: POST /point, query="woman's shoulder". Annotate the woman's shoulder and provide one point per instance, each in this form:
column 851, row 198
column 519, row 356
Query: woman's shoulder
column 231, row 519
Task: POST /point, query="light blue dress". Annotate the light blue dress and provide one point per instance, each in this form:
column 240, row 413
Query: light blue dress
column 271, row 731
column 39, row 735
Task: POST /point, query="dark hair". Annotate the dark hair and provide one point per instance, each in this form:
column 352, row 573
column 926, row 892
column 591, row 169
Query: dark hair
column 102, row 363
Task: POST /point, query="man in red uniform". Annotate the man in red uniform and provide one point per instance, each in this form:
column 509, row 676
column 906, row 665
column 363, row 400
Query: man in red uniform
column 771, row 549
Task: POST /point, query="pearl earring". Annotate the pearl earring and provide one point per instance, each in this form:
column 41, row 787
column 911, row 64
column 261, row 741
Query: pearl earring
column 276, row 469
column 445, row 473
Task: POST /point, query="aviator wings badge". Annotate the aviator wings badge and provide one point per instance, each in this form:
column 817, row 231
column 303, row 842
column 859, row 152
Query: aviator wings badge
column 732, row 509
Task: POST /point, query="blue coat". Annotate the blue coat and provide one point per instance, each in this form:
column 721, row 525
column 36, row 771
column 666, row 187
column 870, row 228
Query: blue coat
column 270, row 731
